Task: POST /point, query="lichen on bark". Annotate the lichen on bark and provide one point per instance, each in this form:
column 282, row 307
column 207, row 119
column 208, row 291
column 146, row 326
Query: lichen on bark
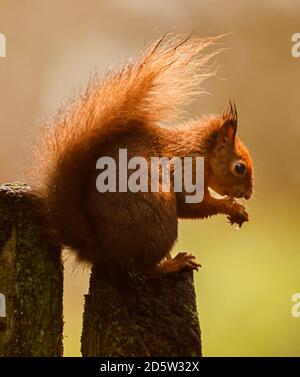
column 158, row 317
column 31, row 277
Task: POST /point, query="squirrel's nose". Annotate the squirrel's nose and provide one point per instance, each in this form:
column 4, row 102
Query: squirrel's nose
column 248, row 191
column 247, row 195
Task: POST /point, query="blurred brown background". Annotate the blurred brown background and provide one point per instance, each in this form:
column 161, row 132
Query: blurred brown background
column 248, row 277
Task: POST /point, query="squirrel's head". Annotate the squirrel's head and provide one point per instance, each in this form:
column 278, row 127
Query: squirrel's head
column 230, row 162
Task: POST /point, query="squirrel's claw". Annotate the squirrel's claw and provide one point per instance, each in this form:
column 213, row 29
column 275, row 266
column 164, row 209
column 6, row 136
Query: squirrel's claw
column 181, row 261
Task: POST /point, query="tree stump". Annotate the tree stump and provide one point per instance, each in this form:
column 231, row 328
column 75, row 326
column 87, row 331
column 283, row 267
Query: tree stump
column 31, row 278
column 156, row 318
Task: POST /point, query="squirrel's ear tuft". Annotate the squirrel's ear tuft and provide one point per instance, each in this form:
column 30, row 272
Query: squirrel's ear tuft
column 227, row 131
column 229, row 123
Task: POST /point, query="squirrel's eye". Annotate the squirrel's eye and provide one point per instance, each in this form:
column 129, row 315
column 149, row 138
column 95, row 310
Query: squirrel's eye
column 240, row 168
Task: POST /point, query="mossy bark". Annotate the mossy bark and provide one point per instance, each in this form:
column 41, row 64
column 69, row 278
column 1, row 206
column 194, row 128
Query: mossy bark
column 31, row 278
column 156, row 318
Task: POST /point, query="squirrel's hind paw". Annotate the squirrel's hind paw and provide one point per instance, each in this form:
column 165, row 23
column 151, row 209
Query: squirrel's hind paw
column 181, row 261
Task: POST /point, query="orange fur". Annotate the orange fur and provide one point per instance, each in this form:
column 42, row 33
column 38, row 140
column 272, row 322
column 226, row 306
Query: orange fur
column 122, row 232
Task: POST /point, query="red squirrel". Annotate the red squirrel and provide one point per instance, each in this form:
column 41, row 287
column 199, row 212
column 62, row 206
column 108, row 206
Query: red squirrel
column 121, row 232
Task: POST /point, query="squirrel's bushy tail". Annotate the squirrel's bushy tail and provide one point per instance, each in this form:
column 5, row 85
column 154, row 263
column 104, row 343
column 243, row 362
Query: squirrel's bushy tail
column 152, row 88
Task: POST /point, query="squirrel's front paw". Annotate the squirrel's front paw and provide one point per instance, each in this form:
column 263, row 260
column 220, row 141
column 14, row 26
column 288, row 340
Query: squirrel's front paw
column 238, row 214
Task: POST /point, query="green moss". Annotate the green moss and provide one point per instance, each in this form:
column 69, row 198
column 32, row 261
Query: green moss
column 158, row 318
column 35, row 281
